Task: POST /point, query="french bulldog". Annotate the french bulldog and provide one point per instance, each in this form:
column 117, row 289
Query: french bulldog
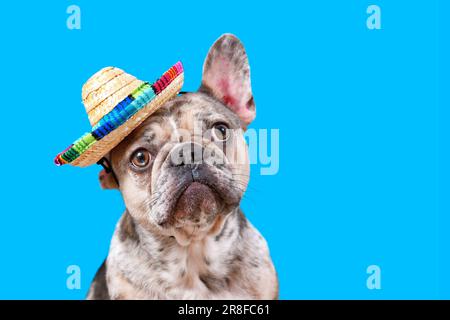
column 182, row 174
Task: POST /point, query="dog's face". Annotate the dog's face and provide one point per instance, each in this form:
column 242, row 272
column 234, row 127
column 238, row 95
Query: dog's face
column 186, row 167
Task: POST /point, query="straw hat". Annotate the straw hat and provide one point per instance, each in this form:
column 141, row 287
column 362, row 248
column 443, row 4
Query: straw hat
column 116, row 103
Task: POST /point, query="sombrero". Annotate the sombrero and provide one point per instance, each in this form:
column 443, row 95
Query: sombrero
column 116, row 103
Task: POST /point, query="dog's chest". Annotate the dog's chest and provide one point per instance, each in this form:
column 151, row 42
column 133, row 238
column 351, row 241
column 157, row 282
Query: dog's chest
column 198, row 271
column 191, row 268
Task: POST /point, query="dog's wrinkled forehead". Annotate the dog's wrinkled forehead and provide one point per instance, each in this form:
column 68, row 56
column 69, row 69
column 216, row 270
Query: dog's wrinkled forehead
column 200, row 107
column 184, row 112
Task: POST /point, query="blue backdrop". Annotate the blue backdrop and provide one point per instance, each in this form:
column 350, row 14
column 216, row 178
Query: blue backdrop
column 361, row 115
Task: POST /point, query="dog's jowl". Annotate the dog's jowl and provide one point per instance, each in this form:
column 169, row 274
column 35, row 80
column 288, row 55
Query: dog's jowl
column 182, row 174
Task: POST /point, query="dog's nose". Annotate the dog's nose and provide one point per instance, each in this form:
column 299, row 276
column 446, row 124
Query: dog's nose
column 186, row 153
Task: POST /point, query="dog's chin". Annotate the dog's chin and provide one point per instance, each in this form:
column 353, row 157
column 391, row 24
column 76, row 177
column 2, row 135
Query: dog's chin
column 196, row 212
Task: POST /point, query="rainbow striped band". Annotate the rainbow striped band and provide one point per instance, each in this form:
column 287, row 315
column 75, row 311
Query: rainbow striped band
column 135, row 101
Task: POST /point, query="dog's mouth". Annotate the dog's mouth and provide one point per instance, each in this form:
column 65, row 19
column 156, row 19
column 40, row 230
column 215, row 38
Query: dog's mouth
column 196, row 198
column 196, row 201
column 196, row 212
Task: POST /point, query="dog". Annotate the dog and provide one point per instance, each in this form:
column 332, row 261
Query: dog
column 183, row 235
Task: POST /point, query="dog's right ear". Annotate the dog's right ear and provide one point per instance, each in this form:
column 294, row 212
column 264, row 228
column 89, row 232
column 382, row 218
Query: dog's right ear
column 107, row 180
column 226, row 76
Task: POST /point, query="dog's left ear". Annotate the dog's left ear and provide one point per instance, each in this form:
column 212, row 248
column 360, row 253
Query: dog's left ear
column 226, row 76
column 107, row 180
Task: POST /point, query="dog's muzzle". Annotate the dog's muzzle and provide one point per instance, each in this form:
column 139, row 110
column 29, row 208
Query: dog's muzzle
column 198, row 195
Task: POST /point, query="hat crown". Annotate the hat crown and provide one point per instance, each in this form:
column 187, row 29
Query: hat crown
column 104, row 90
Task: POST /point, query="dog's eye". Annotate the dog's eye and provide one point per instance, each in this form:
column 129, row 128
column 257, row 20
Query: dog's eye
column 140, row 158
column 220, row 131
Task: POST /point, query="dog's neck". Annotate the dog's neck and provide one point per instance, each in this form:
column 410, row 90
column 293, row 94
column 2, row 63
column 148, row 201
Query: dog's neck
column 215, row 256
column 151, row 236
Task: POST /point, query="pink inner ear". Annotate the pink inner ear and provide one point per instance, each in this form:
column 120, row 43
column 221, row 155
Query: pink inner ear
column 227, row 98
column 231, row 87
column 224, row 84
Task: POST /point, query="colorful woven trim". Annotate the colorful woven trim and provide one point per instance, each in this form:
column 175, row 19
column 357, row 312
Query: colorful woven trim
column 135, row 101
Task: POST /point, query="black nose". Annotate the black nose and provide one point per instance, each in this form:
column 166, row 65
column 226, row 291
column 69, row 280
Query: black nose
column 186, row 153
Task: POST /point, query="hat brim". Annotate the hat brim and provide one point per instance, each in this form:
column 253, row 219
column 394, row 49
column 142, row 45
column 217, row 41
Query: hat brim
column 100, row 148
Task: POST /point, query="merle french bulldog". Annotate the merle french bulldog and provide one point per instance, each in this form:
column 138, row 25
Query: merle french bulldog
column 182, row 174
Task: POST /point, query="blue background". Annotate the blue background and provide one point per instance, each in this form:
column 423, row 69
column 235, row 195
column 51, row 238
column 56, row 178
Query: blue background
column 363, row 118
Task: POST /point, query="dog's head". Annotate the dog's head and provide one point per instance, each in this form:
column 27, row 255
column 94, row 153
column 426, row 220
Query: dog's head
column 186, row 167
